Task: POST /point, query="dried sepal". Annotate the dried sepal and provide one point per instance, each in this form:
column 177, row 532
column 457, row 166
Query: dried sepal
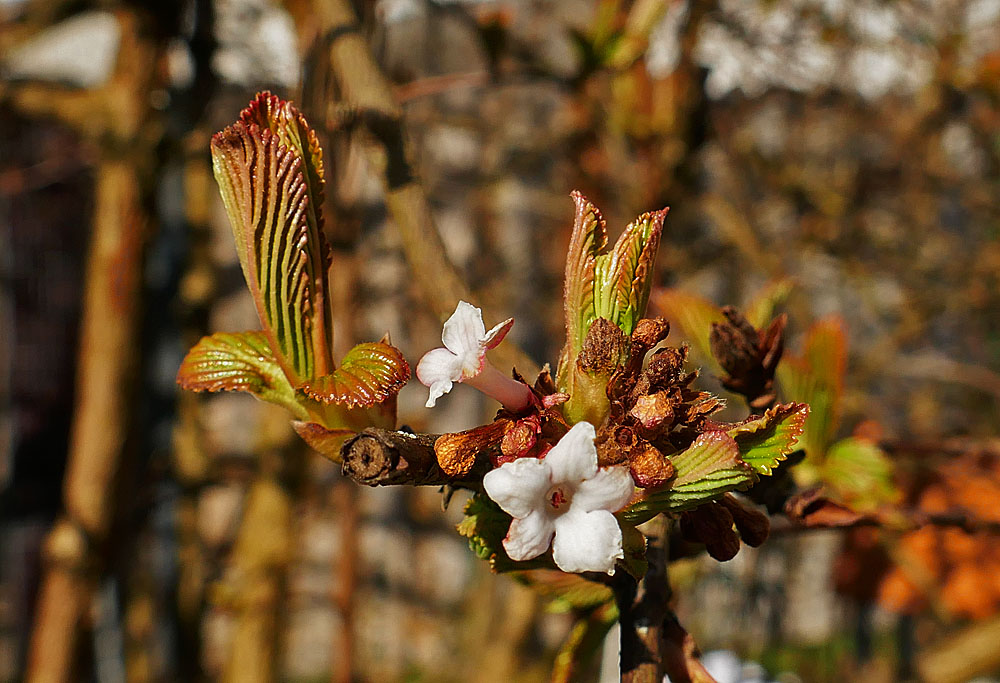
column 765, row 302
column 238, row 362
column 369, row 374
column 282, row 253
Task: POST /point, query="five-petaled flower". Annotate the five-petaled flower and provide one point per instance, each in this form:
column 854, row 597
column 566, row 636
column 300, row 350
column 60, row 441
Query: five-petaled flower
column 567, row 496
column 463, row 359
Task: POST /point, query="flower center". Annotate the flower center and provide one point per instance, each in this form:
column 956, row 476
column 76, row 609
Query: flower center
column 559, row 497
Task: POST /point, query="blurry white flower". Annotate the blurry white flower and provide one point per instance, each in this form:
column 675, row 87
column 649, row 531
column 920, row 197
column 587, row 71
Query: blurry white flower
column 564, row 495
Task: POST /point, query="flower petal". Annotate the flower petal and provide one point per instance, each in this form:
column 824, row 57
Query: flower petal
column 438, row 369
column 464, row 331
column 518, row 487
column 529, row 537
column 610, row 489
column 497, row 333
column 574, row 458
column 587, row 541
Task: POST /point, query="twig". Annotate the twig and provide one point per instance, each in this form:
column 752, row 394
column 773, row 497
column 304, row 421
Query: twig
column 380, row 457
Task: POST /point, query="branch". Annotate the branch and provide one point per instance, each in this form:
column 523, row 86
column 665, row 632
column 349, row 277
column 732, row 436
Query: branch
column 380, row 457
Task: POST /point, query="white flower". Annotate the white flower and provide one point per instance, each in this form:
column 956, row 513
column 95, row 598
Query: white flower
column 463, row 359
column 565, row 495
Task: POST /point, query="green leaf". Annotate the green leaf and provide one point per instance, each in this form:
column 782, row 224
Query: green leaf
column 486, row 525
column 817, row 378
column 767, row 440
column 273, row 211
column 622, row 277
column 587, row 241
column 694, row 316
column 710, row 467
column 860, row 474
column 761, row 308
column 238, row 362
column 369, row 374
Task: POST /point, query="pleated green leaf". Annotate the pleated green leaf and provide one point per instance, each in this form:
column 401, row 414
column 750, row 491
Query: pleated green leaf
column 271, row 185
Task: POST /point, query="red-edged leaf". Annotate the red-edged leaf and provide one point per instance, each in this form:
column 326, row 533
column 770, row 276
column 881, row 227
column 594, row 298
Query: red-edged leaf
column 767, row 440
column 587, row 241
column 237, row 362
column 817, row 378
column 273, row 211
column 369, row 374
column 622, row 277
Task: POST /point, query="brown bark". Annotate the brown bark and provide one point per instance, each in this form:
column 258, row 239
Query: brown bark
column 108, row 342
column 379, row 457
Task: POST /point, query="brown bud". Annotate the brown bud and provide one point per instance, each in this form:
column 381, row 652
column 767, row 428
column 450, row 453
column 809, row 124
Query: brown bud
column 735, row 343
column 653, row 410
column 650, row 468
column 712, row 525
column 519, row 438
column 602, row 349
column 648, row 333
column 752, row 524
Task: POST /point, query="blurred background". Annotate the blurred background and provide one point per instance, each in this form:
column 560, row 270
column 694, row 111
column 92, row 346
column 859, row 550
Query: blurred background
column 851, row 149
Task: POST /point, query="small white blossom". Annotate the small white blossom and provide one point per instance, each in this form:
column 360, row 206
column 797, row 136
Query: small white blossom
column 564, row 499
column 463, row 359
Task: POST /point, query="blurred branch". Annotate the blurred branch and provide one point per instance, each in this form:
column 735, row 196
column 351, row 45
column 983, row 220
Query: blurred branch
column 365, row 90
column 106, row 370
column 970, row 653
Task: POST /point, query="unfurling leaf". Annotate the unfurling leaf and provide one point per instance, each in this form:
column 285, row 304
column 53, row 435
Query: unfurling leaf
column 767, row 440
column 238, row 362
column 622, row 277
column 817, row 378
column 588, row 240
column 369, row 374
column 272, row 202
column 568, row 592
